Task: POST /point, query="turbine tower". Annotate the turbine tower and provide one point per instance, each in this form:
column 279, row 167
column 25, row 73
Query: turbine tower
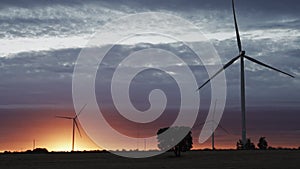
column 74, row 120
column 242, row 56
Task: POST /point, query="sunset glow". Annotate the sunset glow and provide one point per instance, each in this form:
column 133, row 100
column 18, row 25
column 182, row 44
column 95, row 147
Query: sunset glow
column 56, row 135
column 147, row 65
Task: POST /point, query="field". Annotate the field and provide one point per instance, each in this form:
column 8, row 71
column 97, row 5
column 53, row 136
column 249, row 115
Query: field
column 283, row 159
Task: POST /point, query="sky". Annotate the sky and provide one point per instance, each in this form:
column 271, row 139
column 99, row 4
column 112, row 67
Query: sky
column 41, row 40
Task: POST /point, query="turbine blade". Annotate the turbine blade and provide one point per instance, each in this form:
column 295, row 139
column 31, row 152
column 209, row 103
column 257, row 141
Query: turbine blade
column 80, row 111
column 221, row 127
column 63, row 117
column 239, row 43
column 265, row 65
column 77, row 127
column 224, row 67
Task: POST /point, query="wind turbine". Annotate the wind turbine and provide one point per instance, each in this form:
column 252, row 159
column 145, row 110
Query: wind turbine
column 212, row 128
column 74, row 119
column 242, row 55
column 213, row 133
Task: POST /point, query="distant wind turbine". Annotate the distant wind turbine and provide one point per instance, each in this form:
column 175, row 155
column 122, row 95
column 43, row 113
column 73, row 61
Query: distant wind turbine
column 242, row 55
column 33, row 144
column 212, row 128
column 74, row 119
column 213, row 133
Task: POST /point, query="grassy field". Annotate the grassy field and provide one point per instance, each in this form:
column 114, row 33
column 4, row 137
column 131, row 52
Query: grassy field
column 283, row 159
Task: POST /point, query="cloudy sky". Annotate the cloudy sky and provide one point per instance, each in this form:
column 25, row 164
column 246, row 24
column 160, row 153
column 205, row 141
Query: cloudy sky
column 41, row 40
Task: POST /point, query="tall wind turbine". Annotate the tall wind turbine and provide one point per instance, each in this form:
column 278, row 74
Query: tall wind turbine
column 74, row 119
column 242, row 55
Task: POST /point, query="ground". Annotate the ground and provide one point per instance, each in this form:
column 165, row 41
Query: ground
column 284, row 159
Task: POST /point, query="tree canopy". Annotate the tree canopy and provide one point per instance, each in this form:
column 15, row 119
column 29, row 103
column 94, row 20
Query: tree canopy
column 248, row 146
column 262, row 143
column 166, row 143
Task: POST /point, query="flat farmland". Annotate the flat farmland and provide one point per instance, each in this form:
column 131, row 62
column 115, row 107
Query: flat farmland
column 281, row 159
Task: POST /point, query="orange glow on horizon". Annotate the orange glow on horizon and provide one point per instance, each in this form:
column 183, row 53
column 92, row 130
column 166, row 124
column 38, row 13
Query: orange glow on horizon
column 56, row 134
column 48, row 132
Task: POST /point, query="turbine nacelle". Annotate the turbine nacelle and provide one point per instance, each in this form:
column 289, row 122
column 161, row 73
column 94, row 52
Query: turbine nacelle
column 242, row 53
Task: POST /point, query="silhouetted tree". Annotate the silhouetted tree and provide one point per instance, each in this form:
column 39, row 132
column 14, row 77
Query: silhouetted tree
column 271, row 148
column 37, row 151
column 165, row 143
column 262, row 144
column 40, row 150
column 239, row 145
column 248, row 146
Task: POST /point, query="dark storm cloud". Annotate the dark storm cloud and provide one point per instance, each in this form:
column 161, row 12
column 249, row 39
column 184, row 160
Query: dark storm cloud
column 37, row 78
column 66, row 18
column 45, row 77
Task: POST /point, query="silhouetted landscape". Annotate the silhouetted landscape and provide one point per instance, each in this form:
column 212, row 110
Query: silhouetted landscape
column 269, row 159
column 157, row 84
